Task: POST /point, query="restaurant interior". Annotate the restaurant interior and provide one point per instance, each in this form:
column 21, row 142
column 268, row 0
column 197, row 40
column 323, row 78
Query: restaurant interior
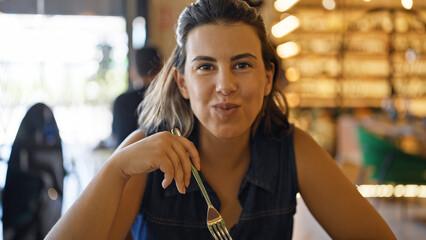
column 355, row 79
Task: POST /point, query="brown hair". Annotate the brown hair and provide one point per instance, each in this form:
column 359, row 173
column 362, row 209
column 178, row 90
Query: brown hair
column 164, row 107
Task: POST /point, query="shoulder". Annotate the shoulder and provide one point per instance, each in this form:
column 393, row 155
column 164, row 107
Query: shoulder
column 305, row 145
column 300, row 136
column 312, row 160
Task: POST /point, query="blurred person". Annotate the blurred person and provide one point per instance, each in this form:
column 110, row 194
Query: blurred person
column 220, row 89
column 32, row 197
column 125, row 119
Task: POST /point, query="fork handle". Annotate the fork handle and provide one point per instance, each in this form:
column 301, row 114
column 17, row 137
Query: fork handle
column 176, row 131
column 200, row 184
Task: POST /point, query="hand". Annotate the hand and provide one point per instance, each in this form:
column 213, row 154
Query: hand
column 170, row 153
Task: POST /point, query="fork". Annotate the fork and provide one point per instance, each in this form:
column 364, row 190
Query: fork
column 215, row 222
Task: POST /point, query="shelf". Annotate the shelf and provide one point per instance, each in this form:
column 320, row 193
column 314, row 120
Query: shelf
column 357, row 57
column 361, row 102
column 366, row 55
column 317, row 102
column 342, row 103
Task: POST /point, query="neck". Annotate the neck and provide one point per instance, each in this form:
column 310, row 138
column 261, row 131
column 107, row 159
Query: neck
column 227, row 154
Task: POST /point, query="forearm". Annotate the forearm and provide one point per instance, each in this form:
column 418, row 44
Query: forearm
column 91, row 216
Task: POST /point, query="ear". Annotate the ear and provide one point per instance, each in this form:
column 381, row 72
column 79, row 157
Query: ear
column 269, row 79
column 180, row 81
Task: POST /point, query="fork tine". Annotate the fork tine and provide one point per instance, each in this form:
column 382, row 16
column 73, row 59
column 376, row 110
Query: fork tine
column 212, row 232
column 226, row 230
column 218, row 232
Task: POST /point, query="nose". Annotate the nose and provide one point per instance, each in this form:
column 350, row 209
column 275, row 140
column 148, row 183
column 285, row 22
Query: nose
column 226, row 83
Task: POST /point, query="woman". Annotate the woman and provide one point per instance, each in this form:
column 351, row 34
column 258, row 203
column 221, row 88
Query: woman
column 220, row 89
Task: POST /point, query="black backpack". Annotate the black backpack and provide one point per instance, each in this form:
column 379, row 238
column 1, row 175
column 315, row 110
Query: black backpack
column 32, row 197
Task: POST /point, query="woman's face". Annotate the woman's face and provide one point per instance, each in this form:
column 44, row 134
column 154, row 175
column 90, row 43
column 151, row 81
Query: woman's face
column 225, row 78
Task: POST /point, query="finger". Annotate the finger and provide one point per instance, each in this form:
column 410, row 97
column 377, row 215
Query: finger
column 192, row 152
column 178, row 171
column 167, row 168
column 185, row 162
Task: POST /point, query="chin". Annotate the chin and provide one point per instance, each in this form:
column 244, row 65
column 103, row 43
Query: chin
column 229, row 132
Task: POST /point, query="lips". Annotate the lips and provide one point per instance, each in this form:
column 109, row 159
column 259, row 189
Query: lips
column 226, row 108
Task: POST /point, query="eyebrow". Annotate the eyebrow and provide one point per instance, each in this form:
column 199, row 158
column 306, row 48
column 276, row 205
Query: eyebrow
column 205, row 58
column 243, row 55
column 236, row 57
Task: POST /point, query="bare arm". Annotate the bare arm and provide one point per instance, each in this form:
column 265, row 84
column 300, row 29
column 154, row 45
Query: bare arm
column 332, row 198
column 131, row 198
column 109, row 204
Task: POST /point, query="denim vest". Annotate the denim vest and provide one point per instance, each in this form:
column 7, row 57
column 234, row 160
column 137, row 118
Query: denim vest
column 267, row 196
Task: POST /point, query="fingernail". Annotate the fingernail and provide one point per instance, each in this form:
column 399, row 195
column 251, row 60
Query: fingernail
column 163, row 183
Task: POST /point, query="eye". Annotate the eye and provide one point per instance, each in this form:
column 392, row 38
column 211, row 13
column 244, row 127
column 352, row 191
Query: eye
column 242, row 65
column 205, row 67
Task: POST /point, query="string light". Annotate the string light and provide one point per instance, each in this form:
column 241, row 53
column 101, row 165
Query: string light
column 288, row 49
column 329, row 4
column 388, row 190
column 292, row 74
column 285, row 26
column 284, row 5
column 407, row 4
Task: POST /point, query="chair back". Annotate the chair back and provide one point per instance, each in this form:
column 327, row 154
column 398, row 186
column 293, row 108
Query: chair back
column 32, row 197
column 390, row 164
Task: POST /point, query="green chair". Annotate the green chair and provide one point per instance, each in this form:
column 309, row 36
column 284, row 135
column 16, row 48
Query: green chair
column 389, row 164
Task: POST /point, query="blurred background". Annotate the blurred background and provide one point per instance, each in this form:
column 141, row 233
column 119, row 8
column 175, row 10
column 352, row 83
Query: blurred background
column 355, row 78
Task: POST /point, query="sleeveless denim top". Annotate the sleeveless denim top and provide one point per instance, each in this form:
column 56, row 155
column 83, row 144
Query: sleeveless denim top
column 267, row 196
